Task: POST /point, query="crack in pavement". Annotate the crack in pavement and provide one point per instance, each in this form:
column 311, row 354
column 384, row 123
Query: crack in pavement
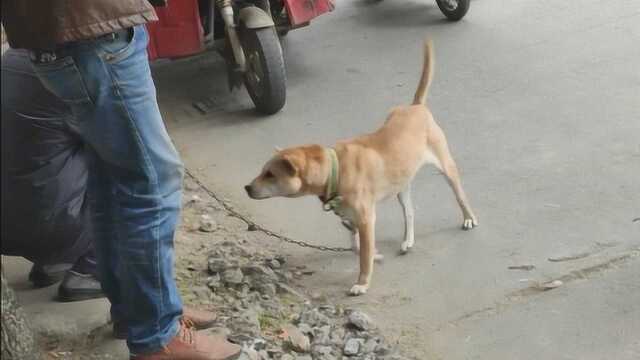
column 518, row 296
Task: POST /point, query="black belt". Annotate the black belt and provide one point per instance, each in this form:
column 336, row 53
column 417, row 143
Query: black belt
column 120, row 34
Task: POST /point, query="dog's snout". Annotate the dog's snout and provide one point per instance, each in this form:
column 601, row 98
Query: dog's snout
column 249, row 190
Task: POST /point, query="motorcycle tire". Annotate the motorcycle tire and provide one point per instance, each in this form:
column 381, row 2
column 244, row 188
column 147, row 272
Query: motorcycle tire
column 265, row 76
column 452, row 12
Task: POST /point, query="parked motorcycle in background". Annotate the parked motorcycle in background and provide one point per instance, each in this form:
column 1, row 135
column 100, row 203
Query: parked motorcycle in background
column 250, row 30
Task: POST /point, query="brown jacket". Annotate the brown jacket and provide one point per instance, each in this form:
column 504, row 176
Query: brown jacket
column 42, row 24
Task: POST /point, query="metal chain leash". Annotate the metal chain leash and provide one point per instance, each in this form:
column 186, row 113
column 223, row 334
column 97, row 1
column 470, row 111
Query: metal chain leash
column 252, row 226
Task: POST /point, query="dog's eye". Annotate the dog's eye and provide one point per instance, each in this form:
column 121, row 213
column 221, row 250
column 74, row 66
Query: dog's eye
column 268, row 175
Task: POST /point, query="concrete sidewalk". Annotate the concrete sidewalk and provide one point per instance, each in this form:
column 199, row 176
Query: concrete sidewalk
column 65, row 325
column 595, row 317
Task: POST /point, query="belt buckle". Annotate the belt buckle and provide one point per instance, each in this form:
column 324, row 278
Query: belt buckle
column 43, row 57
column 113, row 36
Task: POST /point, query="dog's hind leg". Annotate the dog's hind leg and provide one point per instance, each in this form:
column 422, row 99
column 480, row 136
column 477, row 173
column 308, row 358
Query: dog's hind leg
column 404, row 198
column 447, row 165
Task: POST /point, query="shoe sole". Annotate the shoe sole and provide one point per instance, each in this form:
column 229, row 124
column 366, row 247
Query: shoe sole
column 64, row 296
column 40, row 281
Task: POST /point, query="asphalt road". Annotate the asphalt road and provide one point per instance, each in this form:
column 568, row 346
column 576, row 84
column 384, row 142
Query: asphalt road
column 540, row 101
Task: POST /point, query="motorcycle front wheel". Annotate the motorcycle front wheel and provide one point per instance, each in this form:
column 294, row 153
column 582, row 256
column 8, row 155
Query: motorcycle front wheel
column 454, row 9
column 265, row 76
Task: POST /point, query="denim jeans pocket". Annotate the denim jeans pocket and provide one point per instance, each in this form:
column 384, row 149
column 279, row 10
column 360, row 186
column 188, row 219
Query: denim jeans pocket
column 114, row 51
column 64, row 80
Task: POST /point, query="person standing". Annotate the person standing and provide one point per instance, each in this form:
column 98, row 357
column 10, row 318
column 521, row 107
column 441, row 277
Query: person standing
column 92, row 55
column 44, row 179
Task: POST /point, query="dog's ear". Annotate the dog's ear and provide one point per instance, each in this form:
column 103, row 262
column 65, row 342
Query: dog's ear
column 277, row 149
column 287, row 166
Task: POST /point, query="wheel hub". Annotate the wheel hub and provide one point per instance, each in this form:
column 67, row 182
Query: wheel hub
column 450, row 5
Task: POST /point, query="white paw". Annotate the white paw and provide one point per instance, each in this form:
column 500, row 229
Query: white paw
column 469, row 224
column 357, row 290
column 406, row 245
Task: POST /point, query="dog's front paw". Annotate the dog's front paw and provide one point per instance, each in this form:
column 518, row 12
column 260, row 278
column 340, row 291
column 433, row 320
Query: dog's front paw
column 469, row 223
column 358, row 290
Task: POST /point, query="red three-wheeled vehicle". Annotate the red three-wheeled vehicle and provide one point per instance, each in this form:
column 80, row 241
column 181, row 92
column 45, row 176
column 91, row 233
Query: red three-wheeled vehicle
column 250, row 30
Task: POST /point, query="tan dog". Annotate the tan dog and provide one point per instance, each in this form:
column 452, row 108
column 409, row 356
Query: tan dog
column 366, row 169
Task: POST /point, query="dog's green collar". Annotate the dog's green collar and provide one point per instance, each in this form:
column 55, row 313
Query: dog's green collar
column 332, row 201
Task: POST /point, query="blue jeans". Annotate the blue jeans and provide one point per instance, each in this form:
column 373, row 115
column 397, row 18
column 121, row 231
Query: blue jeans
column 135, row 176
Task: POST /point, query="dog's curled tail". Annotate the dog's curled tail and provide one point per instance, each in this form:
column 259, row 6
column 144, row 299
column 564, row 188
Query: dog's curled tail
column 427, row 74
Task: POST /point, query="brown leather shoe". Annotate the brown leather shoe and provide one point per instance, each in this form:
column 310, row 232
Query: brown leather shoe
column 197, row 318
column 188, row 344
